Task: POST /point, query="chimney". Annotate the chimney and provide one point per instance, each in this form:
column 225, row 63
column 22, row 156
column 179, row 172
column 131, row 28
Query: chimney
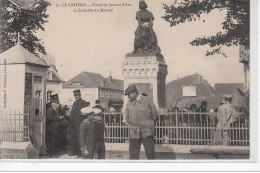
column 110, row 76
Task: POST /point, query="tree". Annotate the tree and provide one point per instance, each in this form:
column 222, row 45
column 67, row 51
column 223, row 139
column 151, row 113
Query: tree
column 17, row 20
column 235, row 26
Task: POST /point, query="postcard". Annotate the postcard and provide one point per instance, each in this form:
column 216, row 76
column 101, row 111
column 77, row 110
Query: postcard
column 127, row 81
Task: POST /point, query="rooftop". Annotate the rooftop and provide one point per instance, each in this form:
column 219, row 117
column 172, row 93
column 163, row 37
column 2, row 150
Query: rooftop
column 50, row 61
column 174, row 88
column 19, row 55
column 228, row 88
column 93, row 80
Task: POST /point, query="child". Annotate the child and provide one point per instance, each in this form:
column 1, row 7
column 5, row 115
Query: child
column 87, row 136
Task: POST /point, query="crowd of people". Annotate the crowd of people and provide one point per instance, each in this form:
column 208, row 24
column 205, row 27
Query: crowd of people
column 85, row 124
column 222, row 118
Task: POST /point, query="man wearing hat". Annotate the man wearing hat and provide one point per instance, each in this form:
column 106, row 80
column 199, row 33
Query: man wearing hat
column 52, row 119
column 87, row 136
column 54, row 98
column 99, row 131
column 141, row 115
column 226, row 115
column 76, row 119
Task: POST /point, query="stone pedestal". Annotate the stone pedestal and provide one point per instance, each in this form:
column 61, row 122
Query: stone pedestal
column 18, row 150
column 148, row 72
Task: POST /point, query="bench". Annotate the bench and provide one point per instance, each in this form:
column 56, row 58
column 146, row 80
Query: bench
column 218, row 151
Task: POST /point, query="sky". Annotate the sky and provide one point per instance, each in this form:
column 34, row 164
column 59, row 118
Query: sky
column 98, row 42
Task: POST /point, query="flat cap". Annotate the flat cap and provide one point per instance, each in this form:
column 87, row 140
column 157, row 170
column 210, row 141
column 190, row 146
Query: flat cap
column 86, row 110
column 131, row 88
column 97, row 111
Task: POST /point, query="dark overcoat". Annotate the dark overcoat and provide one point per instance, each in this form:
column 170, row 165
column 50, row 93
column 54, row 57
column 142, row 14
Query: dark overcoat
column 76, row 116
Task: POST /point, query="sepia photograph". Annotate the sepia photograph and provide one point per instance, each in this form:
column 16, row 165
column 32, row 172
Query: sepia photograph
column 121, row 80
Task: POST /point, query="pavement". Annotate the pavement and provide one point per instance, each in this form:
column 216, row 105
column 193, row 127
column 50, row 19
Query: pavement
column 110, row 155
column 124, row 155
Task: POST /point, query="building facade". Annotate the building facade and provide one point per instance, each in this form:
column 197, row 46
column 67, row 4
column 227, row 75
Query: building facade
column 54, row 81
column 175, row 96
column 93, row 86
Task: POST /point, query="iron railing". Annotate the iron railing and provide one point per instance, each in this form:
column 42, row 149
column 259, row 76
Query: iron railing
column 184, row 128
column 171, row 128
column 14, row 126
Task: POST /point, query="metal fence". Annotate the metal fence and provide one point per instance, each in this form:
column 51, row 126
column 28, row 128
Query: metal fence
column 14, row 126
column 182, row 128
column 171, row 128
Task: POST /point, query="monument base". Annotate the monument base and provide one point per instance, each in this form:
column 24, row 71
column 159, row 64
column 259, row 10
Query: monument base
column 148, row 72
column 18, row 150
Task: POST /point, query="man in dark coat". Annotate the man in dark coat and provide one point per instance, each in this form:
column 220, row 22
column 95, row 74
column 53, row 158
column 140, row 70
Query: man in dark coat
column 141, row 115
column 52, row 127
column 87, row 136
column 76, row 119
column 99, row 130
column 203, row 108
column 54, row 98
column 203, row 121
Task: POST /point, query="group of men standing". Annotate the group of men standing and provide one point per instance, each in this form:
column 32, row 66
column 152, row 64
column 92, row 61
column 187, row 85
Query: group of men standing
column 75, row 120
column 87, row 125
column 56, row 126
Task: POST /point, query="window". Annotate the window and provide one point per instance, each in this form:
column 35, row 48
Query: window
column 49, row 96
column 107, row 94
column 101, row 94
column 117, row 95
column 28, row 90
column 38, row 88
column 112, row 95
column 38, row 93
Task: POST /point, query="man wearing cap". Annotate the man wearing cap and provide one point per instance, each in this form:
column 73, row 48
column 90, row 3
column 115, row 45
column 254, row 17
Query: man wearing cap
column 76, row 119
column 99, row 131
column 226, row 115
column 52, row 127
column 54, row 98
column 87, row 136
column 141, row 115
column 60, row 142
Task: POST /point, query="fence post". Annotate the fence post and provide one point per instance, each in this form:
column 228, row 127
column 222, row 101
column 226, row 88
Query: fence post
column 177, row 128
